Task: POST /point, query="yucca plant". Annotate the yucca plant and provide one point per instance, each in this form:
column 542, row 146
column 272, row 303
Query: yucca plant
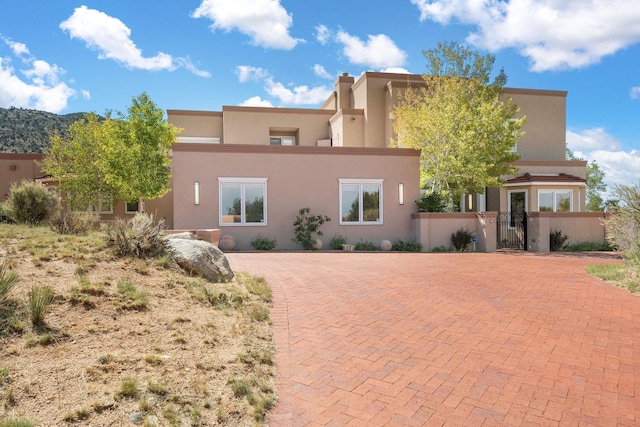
column 8, row 280
column 39, row 299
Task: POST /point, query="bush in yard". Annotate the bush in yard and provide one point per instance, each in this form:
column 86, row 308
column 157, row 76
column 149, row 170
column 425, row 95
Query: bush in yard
column 364, row 245
column 306, row 225
column 406, row 246
column 38, row 299
column 623, row 225
column 461, row 239
column 30, row 203
column 65, row 222
column 337, row 241
column 262, row 243
column 139, row 236
column 557, row 241
column 431, row 201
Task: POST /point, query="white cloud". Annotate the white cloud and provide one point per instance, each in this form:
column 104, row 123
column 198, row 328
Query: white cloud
column 590, row 140
column 17, row 47
column 247, row 72
column 396, row 70
column 553, row 34
column 620, row 167
column 299, row 94
column 256, row 101
column 323, row 34
column 379, row 51
column 39, row 87
column 86, row 94
column 112, row 39
column 634, row 93
column 319, row 71
column 266, row 22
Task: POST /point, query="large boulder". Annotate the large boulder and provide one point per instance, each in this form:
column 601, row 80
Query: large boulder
column 201, row 258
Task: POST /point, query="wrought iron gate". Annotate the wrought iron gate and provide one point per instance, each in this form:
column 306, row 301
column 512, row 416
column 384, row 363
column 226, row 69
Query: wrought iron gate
column 512, row 230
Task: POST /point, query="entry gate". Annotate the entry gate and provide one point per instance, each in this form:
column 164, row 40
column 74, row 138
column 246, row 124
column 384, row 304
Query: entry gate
column 512, row 230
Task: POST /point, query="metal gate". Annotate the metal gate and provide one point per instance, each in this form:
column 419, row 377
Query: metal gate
column 512, row 230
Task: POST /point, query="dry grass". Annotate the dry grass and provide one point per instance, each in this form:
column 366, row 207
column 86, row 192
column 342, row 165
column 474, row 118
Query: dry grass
column 121, row 336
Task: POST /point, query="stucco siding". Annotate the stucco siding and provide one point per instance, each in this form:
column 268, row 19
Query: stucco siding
column 296, row 178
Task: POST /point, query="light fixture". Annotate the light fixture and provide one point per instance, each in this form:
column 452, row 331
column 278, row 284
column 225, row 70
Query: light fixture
column 196, row 193
column 401, row 194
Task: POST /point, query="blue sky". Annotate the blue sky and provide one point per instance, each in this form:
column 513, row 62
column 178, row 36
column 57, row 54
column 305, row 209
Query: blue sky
column 66, row 56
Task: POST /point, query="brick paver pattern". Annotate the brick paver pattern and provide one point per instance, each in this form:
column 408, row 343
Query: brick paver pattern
column 449, row 339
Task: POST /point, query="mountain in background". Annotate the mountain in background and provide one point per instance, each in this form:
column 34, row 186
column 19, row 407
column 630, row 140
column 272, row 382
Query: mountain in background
column 27, row 131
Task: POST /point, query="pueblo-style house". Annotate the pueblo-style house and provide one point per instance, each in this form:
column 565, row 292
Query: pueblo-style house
column 248, row 170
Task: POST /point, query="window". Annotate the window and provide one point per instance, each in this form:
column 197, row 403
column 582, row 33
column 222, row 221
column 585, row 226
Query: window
column 131, row 207
column 361, row 201
column 282, row 140
column 243, row 201
column 100, row 208
column 555, row 200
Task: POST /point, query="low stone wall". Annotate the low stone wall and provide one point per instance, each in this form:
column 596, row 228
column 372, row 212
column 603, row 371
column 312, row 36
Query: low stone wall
column 434, row 229
column 578, row 226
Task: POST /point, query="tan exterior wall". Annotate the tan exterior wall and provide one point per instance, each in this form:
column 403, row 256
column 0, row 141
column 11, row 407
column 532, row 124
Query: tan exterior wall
column 253, row 125
column 347, row 128
column 434, row 229
column 297, row 177
column 16, row 168
column 578, row 226
column 197, row 123
column 545, row 129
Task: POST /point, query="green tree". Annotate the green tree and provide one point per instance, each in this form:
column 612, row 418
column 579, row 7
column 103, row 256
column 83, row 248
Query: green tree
column 460, row 121
column 75, row 162
column 595, row 184
column 136, row 163
column 124, row 158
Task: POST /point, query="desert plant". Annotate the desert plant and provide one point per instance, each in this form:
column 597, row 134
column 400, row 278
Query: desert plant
column 431, row 201
column 130, row 298
column 30, row 203
column 557, row 240
column 364, row 245
column 406, row 246
column 262, row 243
column 306, row 225
column 587, row 247
column 15, row 422
column 8, row 280
column 139, row 236
column 128, row 388
column 461, row 239
column 38, row 300
column 623, row 226
column 337, row 241
column 65, row 222
column 3, row 216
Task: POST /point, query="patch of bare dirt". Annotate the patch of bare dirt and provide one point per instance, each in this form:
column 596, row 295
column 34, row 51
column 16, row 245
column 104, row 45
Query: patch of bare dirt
column 195, row 352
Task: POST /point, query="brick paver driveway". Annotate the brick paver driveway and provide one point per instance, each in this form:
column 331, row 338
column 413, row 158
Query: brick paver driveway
column 449, row 339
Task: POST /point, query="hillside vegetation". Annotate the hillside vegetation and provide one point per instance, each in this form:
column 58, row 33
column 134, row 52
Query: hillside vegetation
column 27, row 131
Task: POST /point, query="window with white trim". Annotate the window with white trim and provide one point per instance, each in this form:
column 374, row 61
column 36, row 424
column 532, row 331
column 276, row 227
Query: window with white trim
column 282, row 140
column 555, row 200
column 131, row 207
column 243, row 201
column 360, row 201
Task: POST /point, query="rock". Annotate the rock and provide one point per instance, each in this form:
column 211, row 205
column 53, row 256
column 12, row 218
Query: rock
column 227, row 242
column 201, row 258
column 136, row 418
column 385, row 245
column 317, row 244
column 152, row 420
column 183, row 235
